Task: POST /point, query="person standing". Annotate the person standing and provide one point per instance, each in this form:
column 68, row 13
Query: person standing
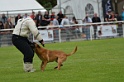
column 3, row 18
column 55, row 21
column 75, row 29
column 8, row 25
column 60, row 17
column 38, row 18
column 20, row 36
column 86, row 29
column 56, row 31
column 122, row 15
column 1, row 32
column 52, row 16
column 65, row 21
column 17, row 18
column 95, row 19
column 47, row 17
column 32, row 15
column 108, row 16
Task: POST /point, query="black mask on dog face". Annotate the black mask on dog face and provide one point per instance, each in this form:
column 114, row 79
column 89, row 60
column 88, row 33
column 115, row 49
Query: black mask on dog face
column 32, row 45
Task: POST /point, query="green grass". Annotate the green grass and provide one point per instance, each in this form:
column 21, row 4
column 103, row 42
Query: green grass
column 95, row 61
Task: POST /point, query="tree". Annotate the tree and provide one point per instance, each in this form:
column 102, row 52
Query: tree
column 48, row 4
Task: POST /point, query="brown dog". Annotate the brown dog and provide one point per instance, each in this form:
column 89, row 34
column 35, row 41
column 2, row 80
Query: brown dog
column 51, row 55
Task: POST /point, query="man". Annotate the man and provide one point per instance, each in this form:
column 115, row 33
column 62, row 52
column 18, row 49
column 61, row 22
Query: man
column 55, row 21
column 38, row 18
column 60, row 17
column 24, row 27
column 108, row 16
column 33, row 15
column 65, row 21
column 8, row 25
column 86, row 29
column 3, row 18
column 95, row 19
column 17, row 18
column 1, row 32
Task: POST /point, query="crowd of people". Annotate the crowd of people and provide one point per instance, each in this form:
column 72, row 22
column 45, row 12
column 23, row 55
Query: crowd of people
column 110, row 16
column 58, row 19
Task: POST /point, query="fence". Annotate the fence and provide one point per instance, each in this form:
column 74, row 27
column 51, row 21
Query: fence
column 76, row 32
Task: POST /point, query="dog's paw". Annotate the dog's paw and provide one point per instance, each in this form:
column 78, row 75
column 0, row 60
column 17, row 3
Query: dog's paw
column 55, row 67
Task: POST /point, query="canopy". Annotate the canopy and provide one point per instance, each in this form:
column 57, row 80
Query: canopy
column 20, row 6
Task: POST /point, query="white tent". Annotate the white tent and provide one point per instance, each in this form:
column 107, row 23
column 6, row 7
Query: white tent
column 20, row 6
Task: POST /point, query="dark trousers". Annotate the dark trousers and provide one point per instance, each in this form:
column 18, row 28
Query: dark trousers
column 95, row 30
column 23, row 45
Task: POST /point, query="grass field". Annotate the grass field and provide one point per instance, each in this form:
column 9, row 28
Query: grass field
column 95, row 61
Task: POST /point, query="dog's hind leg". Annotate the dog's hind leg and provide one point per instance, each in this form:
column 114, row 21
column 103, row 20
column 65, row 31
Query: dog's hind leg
column 57, row 66
column 60, row 61
column 43, row 65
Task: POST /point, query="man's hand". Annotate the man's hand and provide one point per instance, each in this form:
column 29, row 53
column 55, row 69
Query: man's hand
column 42, row 43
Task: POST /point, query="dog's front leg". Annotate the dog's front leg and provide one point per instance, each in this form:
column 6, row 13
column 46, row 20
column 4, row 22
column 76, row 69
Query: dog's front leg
column 43, row 65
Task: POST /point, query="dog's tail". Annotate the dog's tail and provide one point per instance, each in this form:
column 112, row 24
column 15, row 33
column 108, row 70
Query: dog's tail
column 72, row 51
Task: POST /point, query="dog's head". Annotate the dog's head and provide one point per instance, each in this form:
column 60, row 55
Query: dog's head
column 34, row 45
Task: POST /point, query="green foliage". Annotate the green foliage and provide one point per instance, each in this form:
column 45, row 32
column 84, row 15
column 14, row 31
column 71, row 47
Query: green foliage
column 95, row 61
column 48, row 4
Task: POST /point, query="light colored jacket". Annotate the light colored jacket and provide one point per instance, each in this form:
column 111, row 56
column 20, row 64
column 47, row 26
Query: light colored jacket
column 25, row 26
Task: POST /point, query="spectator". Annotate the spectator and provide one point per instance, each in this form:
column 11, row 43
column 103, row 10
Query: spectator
column 119, row 29
column 65, row 21
column 1, row 32
column 75, row 29
column 95, row 19
column 118, row 17
column 55, row 21
column 56, row 32
column 60, row 17
column 86, row 29
column 74, row 21
column 122, row 15
column 25, row 16
column 47, row 17
column 8, row 25
column 1, row 25
column 38, row 18
column 112, row 17
column 52, row 16
column 50, row 35
column 33, row 15
column 17, row 18
column 44, row 22
column 108, row 16
column 3, row 18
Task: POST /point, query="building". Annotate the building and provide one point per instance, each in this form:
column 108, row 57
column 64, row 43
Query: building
column 118, row 5
column 79, row 8
column 20, row 6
